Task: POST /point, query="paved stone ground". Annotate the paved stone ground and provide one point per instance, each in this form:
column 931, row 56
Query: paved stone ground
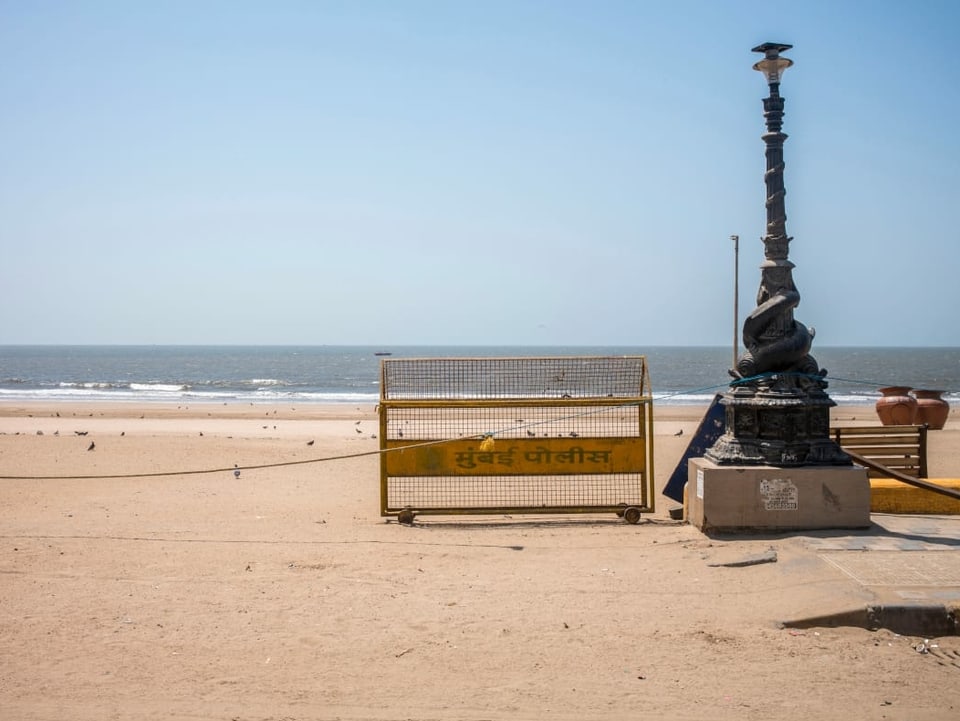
column 897, row 533
column 898, row 568
column 909, row 566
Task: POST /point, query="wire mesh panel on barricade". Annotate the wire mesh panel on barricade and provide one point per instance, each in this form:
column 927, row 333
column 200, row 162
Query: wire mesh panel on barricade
column 570, row 434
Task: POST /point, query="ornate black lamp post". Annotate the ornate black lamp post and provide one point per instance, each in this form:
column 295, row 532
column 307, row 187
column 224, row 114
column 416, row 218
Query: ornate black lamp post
column 777, row 411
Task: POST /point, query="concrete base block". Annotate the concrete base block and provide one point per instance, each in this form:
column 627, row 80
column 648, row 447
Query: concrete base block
column 770, row 498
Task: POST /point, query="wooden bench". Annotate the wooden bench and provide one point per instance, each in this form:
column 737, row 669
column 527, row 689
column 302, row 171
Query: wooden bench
column 899, row 448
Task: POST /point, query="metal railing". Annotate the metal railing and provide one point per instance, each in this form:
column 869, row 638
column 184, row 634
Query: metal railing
column 569, row 434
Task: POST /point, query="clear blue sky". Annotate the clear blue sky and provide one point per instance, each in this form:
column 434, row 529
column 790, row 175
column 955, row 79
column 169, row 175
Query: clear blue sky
column 489, row 172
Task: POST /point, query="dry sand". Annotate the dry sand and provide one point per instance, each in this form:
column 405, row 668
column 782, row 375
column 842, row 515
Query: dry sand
column 283, row 594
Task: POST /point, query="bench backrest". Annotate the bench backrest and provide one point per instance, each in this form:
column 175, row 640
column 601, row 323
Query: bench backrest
column 901, row 448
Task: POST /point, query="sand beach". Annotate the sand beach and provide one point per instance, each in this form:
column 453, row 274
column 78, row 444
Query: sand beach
column 282, row 593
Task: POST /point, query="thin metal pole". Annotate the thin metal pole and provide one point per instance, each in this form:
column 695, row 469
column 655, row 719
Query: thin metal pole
column 736, row 298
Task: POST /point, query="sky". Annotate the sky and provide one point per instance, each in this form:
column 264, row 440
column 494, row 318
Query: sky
column 529, row 172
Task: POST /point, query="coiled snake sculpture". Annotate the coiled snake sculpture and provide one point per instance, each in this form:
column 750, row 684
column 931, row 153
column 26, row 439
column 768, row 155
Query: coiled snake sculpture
column 773, row 340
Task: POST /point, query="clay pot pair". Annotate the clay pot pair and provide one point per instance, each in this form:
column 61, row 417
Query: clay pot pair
column 896, row 407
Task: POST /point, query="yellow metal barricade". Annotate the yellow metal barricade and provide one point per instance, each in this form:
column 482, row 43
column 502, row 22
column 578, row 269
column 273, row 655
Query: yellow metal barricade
column 568, row 434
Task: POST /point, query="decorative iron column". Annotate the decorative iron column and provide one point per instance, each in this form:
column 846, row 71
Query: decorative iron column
column 777, row 411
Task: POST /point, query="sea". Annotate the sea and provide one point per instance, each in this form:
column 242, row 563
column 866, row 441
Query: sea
column 351, row 374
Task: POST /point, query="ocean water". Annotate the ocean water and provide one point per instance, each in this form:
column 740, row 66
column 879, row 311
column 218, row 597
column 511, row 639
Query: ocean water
column 351, row 374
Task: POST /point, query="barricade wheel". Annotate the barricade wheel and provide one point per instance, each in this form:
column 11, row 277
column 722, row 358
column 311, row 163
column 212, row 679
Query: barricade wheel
column 406, row 517
column 632, row 514
column 620, row 511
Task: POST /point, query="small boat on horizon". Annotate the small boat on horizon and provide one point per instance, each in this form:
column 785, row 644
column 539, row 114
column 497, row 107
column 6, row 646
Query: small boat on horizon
column 383, row 352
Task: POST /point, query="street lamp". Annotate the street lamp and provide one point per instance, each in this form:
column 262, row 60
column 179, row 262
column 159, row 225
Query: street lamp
column 772, row 65
column 736, row 297
column 777, row 411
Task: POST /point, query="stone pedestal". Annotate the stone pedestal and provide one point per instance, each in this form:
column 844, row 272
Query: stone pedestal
column 782, row 421
column 771, row 498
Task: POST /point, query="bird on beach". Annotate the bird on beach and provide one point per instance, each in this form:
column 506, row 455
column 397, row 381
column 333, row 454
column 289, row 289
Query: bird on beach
column 91, row 446
column 679, row 433
column 358, row 430
column 309, row 443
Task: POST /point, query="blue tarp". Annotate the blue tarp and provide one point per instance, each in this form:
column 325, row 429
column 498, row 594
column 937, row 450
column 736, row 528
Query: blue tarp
column 709, row 430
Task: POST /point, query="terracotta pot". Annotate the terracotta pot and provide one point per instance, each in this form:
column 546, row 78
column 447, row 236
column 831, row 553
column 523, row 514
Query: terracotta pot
column 931, row 409
column 897, row 407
